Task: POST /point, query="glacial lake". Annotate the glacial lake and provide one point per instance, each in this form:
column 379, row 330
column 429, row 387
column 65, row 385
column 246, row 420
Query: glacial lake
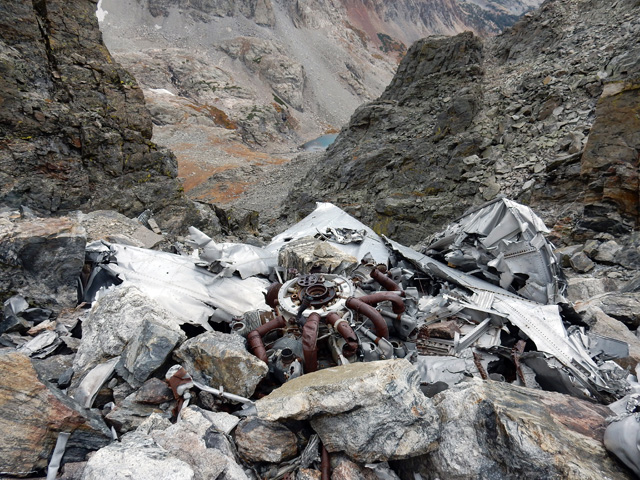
column 321, row 143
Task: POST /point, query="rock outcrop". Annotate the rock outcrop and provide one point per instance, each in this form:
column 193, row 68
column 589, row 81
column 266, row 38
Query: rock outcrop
column 545, row 113
column 493, row 430
column 74, row 128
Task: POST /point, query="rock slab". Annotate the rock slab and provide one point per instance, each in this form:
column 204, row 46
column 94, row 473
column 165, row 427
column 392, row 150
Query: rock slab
column 496, row 430
column 372, row 411
column 219, row 359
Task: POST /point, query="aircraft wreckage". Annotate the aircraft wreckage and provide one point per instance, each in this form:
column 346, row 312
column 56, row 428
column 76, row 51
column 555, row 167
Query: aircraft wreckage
column 483, row 298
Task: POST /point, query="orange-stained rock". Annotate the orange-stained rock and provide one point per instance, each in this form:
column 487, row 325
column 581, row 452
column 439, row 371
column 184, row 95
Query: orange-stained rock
column 32, row 415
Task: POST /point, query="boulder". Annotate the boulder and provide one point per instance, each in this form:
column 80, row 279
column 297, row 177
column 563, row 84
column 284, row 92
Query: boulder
column 136, row 456
column 128, row 414
column 31, row 416
column 607, row 252
column 583, row 288
column 186, row 440
column 372, row 411
column 118, row 318
column 219, row 359
column 497, row 430
column 147, row 351
column 40, row 258
column 607, row 326
column 154, row 391
column 581, row 263
column 621, row 306
column 263, row 441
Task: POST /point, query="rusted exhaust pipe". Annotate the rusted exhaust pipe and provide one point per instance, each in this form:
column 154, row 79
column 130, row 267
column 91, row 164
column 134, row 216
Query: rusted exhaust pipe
column 325, row 465
column 309, row 345
column 386, row 282
column 344, row 329
column 371, row 313
column 256, row 345
column 271, row 297
column 376, row 298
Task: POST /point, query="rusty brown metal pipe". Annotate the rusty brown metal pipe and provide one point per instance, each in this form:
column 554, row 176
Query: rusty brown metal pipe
column 375, row 298
column 254, row 338
column 347, row 333
column 309, row 345
column 385, row 281
column 271, row 298
column 325, row 465
column 371, row 313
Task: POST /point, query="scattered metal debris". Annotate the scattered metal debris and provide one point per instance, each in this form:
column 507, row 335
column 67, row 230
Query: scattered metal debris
column 492, row 310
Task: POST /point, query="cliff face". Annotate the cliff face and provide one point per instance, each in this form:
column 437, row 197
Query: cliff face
column 74, row 129
column 546, row 113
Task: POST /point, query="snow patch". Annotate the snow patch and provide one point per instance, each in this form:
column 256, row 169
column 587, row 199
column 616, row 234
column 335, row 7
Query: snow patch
column 100, row 13
column 162, row 91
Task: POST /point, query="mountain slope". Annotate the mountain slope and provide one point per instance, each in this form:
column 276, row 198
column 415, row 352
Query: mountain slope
column 546, row 113
column 222, row 76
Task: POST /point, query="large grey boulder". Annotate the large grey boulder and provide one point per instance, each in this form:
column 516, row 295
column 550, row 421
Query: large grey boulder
column 119, row 318
column 372, row 411
column 219, row 359
column 136, row 456
column 495, row 430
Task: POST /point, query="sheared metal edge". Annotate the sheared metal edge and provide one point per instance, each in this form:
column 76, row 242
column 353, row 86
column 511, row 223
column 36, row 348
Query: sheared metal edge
column 92, row 383
column 327, row 215
column 500, row 222
column 245, row 259
column 58, row 452
column 541, row 323
column 178, row 285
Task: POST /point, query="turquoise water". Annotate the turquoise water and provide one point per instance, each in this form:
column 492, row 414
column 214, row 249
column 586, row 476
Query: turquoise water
column 321, row 143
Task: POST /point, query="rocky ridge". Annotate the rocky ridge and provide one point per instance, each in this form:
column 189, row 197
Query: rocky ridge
column 545, row 113
column 235, row 87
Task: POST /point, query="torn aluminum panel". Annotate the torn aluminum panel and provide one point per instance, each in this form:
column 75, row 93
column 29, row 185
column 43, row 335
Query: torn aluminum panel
column 247, row 260
column 325, row 217
column 93, row 381
column 504, row 241
column 447, row 369
column 541, row 323
column 191, row 293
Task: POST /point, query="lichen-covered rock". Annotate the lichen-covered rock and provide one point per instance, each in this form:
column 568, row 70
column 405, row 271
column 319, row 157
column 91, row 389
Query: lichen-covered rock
column 188, row 441
column 219, row 359
column 74, row 124
column 372, row 411
column 496, row 430
column 40, row 258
